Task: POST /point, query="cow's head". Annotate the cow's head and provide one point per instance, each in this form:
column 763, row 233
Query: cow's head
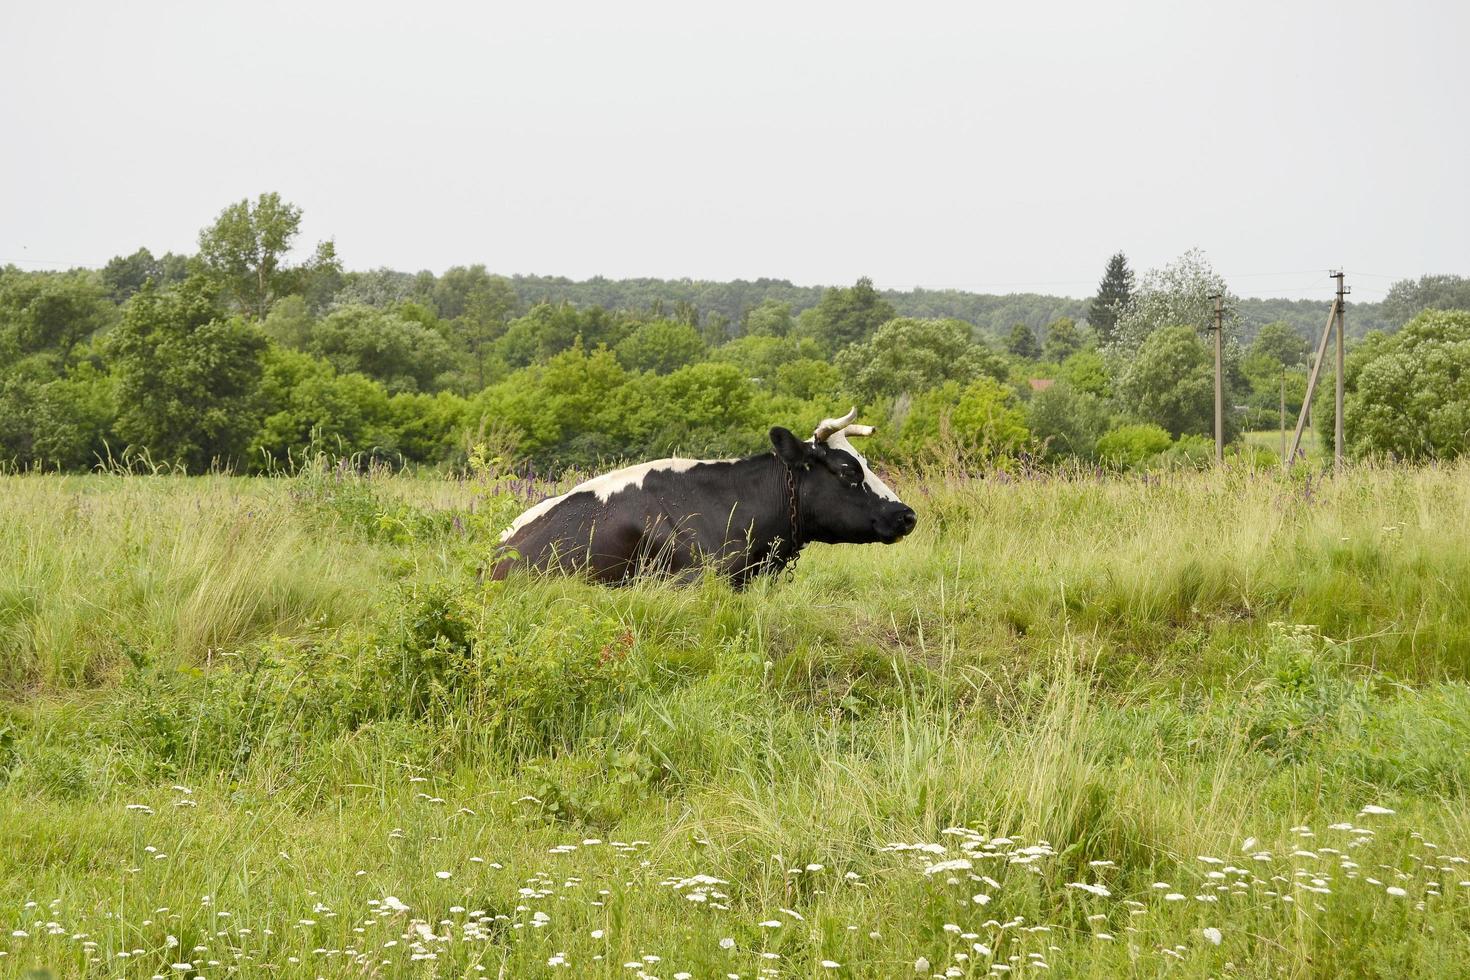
column 842, row 499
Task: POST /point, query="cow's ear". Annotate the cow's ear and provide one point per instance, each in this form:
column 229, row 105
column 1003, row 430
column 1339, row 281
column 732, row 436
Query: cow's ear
column 793, row 451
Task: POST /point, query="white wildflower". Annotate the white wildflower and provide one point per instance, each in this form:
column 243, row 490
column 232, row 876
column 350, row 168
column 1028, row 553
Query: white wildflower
column 1212, row 934
column 958, row 864
column 1098, row 890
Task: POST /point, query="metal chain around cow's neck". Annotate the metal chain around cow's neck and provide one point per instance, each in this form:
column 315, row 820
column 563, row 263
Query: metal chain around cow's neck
column 793, row 500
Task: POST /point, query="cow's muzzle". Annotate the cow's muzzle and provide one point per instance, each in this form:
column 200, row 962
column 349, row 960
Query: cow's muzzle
column 896, row 522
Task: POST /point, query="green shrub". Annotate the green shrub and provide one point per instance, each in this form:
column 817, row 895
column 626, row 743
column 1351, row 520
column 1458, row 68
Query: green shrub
column 1131, row 445
column 1067, row 421
column 1188, row 453
column 1308, row 697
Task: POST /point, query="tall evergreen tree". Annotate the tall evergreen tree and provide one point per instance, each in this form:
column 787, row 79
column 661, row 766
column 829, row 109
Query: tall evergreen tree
column 1113, row 294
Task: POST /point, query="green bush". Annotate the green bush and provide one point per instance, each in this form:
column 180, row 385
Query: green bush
column 979, row 423
column 1188, row 452
column 1131, row 445
column 1408, row 394
column 1066, row 421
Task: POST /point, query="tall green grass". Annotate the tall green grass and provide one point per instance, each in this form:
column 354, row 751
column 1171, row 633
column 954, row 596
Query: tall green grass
column 241, row 714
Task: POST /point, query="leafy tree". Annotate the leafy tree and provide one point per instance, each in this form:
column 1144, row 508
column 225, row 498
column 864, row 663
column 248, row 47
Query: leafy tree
column 547, row 330
column 63, row 423
column 716, row 329
column 306, row 402
column 1408, row 297
column 429, row 428
column 908, row 355
column 451, row 293
column 686, row 313
column 1279, row 343
column 1021, row 342
column 290, row 323
column 809, row 379
column 242, row 252
column 1176, row 295
column 1067, row 422
column 700, row 408
column 848, row 316
column 402, row 354
column 975, row 423
column 760, row 356
column 478, row 308
column 383, row 288
column 50, row 313
column 1087, row 371
column 1276, row 358
column 1265, row 379
column 570, row 411
column 1171, row 382
column 771, row 319
column 660, row 346
column 124, row 275
column 1113, row 295
column 1063, row 339
column 320, row 279
column 1408, row 393
column 186, row 377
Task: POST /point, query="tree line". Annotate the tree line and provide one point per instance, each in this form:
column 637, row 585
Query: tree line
column 237, row 356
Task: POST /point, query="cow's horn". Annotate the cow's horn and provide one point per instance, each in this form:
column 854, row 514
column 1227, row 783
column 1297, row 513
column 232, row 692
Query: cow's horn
column 830, row 427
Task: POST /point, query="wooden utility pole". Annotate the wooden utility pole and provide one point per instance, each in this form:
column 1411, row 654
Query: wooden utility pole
column 1283, row 416
column 1341, row 362
column 1301, row 419
column 1219, row 379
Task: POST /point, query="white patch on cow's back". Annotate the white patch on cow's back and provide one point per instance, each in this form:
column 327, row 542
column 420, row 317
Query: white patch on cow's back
column 839, row 441
column 604, row 487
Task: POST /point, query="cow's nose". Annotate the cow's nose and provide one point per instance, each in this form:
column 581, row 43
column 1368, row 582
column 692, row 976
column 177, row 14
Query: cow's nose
column 907, row 519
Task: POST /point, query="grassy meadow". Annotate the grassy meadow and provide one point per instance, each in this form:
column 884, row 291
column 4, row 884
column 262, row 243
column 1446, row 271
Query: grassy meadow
column 1195, row 724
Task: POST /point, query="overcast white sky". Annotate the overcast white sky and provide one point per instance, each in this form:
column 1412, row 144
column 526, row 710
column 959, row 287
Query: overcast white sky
column 999, row 148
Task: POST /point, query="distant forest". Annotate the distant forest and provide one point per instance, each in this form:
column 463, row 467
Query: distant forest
column 993, row 315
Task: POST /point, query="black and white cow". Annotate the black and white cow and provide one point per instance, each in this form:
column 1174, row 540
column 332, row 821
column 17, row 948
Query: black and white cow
column 743, row 517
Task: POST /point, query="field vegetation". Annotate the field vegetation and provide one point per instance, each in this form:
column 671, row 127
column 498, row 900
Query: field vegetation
column 1079, row 723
